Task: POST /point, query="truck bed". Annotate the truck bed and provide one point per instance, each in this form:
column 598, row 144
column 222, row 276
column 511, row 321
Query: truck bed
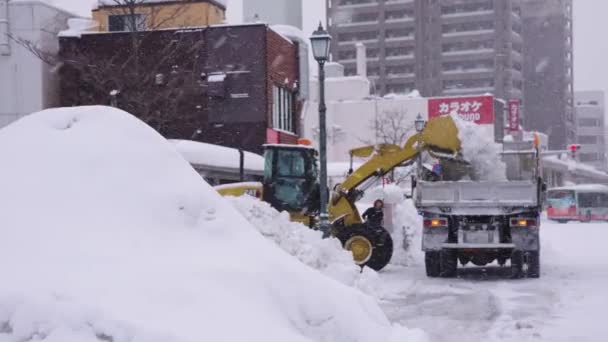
column 465, row 195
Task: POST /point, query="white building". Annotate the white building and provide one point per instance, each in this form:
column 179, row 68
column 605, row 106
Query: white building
column 591, row 127
column 275, row 12
column 26, row 83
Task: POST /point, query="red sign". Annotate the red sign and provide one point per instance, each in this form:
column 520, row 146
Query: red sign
column 272, row 136
column 478, row 109
column 514, row 107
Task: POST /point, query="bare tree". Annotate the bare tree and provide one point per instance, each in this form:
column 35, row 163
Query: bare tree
column 142, row 73
column 393, row 127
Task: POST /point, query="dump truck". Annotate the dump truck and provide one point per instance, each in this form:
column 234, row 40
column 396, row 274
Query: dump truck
column 481, row 222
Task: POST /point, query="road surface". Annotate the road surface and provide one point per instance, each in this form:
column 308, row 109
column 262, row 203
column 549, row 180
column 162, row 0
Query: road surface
column 568, row 303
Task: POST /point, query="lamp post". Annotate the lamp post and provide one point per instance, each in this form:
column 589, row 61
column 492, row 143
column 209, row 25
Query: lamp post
column 320, row 41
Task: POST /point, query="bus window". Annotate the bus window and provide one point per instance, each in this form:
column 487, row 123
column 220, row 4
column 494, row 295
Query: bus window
column 561, row 198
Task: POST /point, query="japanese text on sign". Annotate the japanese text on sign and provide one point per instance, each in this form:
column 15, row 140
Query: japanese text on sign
column 478, row 109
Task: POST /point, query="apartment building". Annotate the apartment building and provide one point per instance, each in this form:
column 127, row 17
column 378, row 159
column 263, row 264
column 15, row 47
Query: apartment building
column 27, row 84
column 591, row 127
column 548, row 69
column 441, row 48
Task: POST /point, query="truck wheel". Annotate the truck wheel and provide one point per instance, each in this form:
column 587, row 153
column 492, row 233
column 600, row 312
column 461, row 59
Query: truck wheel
column 532, row 264
column 448, row 263
column 432, row 264
column 517, row 262
column 370, row 246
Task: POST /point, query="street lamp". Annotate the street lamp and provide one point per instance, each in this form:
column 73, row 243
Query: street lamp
column 320, row 41
column 419, row 123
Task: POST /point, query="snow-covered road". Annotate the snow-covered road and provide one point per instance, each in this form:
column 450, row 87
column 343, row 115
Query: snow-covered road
column 568, row 303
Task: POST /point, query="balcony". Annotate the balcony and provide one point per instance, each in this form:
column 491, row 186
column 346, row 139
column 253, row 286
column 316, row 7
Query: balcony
column 401, row 75
column 357, row 23
column 468, row 33
column 400, row 38
column 391, row 2
column 467, row 14
column 399, row 20
column 361, row 5
column 468, row 71
column 468, row 52
column 462, row 91
column 355, row 41
column 400, row 57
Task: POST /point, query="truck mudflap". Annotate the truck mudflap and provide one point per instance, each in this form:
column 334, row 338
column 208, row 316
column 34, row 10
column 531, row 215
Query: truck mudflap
column 525, row 238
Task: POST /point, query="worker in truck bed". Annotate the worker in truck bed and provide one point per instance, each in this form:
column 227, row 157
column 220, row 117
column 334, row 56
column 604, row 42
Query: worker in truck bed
column 375, row 214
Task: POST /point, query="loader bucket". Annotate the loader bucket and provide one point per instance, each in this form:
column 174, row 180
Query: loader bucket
column 442, row 133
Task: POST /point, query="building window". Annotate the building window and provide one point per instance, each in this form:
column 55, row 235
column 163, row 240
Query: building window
column 589, row 157
column 127, row 22
column 587, row 139
column 283, row 109
column 589, row 123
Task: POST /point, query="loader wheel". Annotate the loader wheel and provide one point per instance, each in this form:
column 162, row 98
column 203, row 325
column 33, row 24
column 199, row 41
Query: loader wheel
column 370, row 246
column 432, row 264
column 448, row 263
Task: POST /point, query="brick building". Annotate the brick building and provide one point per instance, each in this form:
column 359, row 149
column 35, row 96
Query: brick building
column 230, row 85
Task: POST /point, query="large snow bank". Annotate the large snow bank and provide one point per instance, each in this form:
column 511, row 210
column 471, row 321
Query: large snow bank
column 480, row 150
column 107, row 234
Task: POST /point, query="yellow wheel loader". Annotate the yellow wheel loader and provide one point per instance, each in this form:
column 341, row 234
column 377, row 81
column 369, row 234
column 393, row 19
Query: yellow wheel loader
column 291, row 184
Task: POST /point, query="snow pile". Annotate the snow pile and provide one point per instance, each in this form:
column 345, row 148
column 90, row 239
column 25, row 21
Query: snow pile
column 408, row 235
column 326, row 255
column 480, row 150
column 407, row 223
column 108, row 234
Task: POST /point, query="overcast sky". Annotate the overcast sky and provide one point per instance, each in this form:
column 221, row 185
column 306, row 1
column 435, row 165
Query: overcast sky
column 591, row 46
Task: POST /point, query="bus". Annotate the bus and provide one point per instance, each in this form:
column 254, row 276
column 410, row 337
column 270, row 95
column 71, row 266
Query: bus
column 582, row 203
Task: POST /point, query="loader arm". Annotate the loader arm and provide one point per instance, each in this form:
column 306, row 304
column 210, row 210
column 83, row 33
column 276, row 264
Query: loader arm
column 440, row 135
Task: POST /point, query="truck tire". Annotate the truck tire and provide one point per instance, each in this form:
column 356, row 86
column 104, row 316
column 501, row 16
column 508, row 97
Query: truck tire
column 432, row 264
column 517, row 262
column 371, row 246
column 525, row 264
column 448, row 263
column 532, row 264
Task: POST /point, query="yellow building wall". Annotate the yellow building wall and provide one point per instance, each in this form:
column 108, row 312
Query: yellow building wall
column 163, row 16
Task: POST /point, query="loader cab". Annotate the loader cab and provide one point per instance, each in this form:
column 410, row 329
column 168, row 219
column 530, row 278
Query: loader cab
column 291, row 177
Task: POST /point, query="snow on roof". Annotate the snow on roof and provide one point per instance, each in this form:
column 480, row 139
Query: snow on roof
column 584, row 187
column 576, row 167
column 215, row 155
column 119, row 239
column 290, row 32
column 78, row 26
column 215, row 78
column 308, row 147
